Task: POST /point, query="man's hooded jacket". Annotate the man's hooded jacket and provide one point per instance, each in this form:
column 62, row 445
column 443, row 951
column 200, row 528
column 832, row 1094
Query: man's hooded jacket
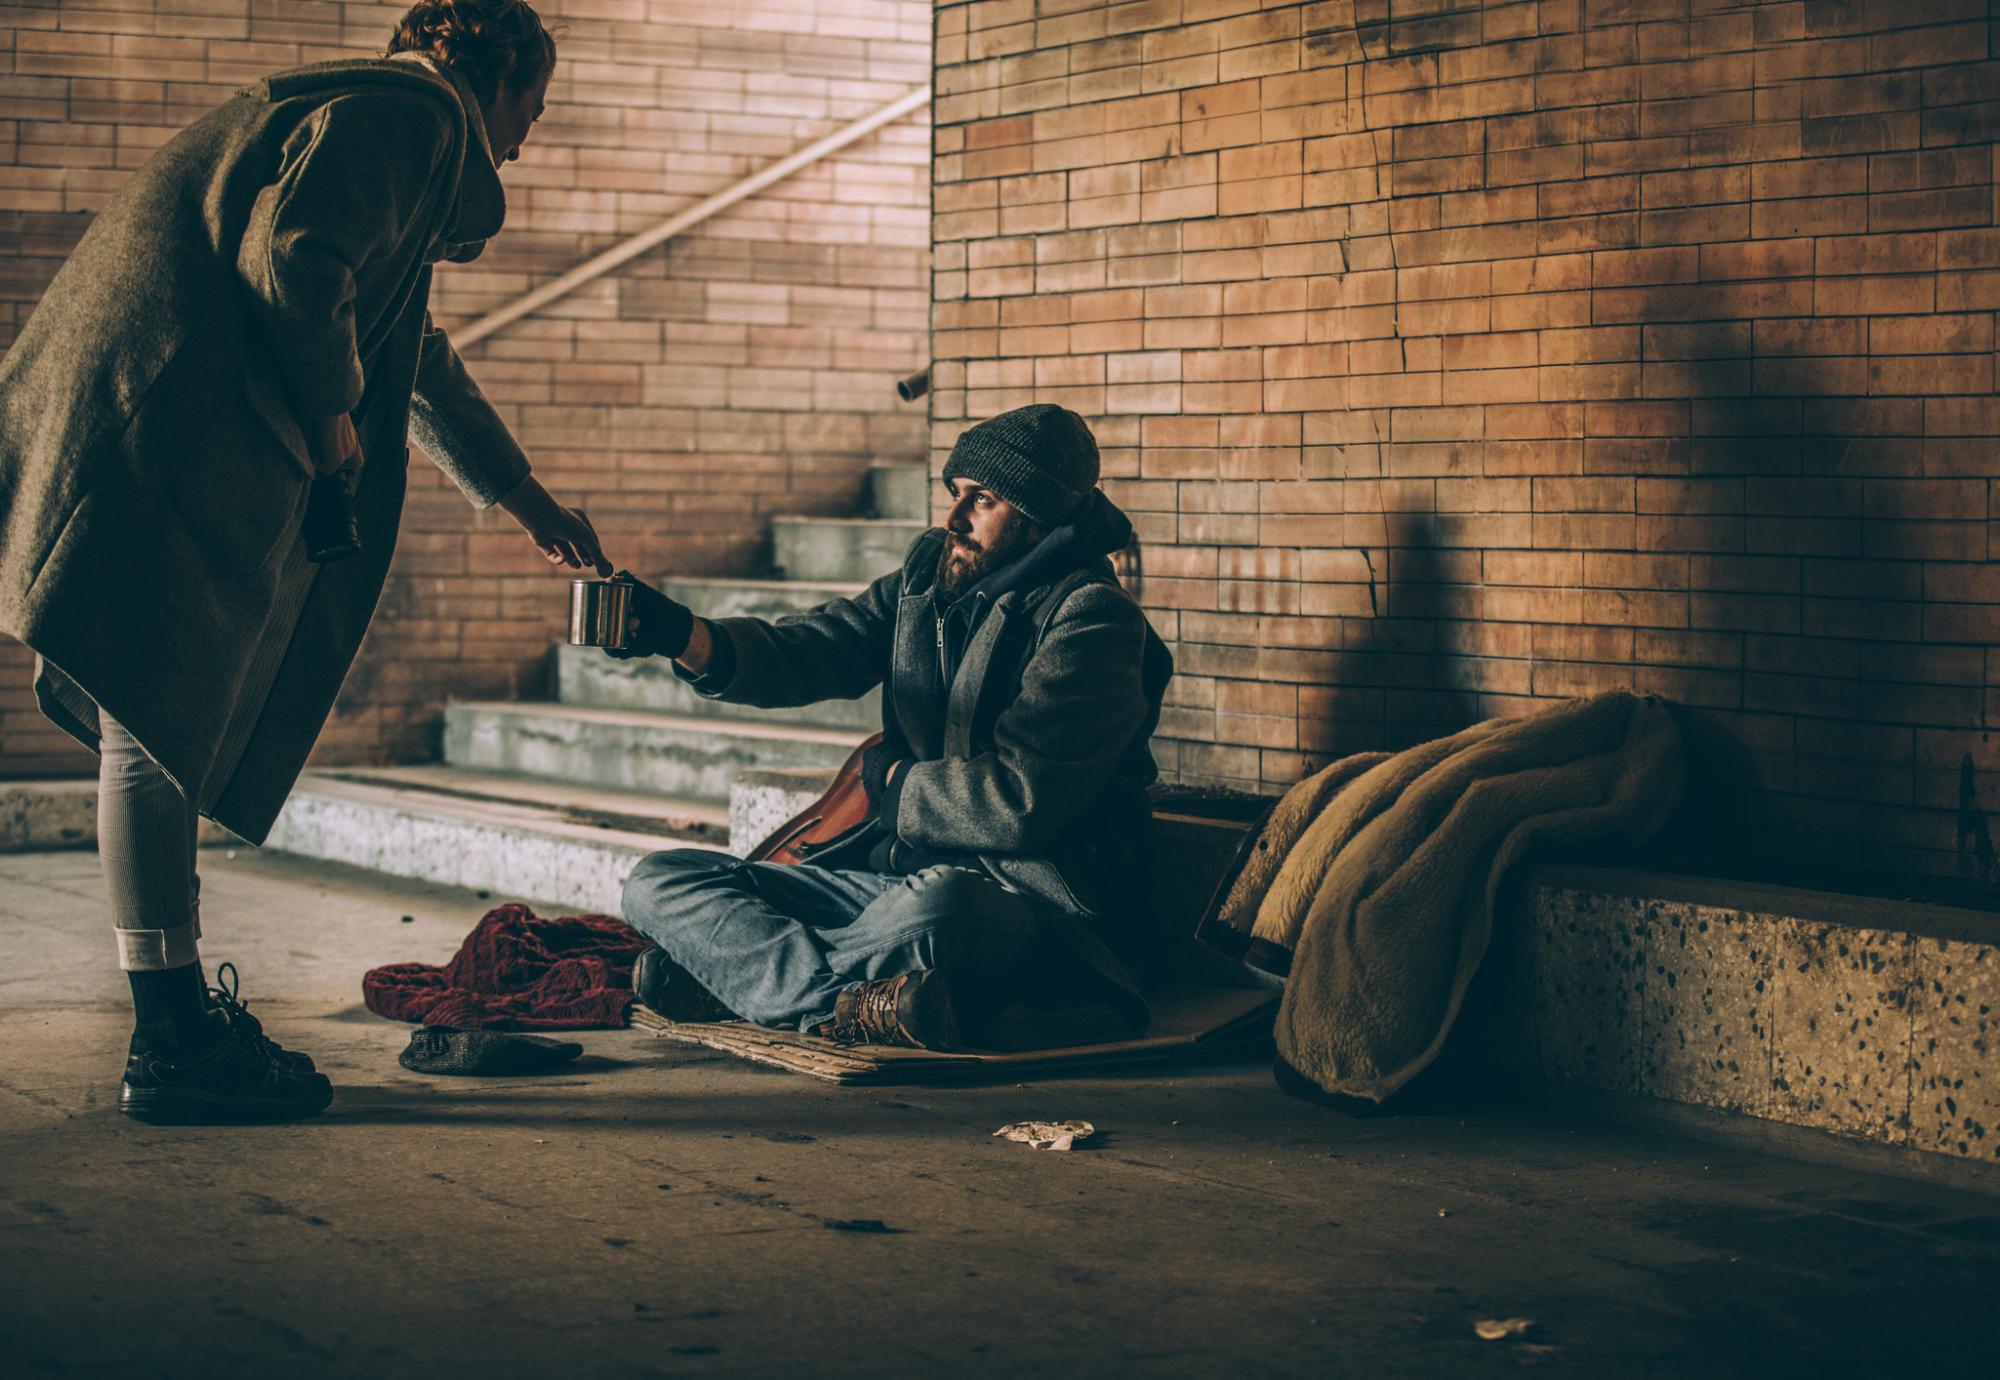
column 1025, row 708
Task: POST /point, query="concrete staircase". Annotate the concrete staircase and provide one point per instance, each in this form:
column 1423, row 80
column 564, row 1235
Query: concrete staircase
column 553, row 802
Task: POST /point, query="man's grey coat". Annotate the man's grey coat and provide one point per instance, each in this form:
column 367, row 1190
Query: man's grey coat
column 269, row 265
column 1033, row 764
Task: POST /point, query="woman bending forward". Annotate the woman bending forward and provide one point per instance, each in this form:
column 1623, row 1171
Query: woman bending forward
column 244, row 328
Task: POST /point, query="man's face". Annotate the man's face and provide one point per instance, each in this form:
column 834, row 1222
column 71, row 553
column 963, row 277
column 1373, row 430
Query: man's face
column 986, row 532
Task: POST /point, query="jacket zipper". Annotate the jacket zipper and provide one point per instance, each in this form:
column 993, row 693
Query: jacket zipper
column 944, row 672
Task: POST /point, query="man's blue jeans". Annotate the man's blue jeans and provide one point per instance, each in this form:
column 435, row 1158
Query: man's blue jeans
column 777, row 944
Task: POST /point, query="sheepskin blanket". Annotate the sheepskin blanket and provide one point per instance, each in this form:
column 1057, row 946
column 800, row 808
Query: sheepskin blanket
column 1376, row 877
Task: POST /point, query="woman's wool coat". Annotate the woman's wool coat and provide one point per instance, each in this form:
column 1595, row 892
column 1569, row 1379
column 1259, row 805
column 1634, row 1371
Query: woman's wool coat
column 269, row 265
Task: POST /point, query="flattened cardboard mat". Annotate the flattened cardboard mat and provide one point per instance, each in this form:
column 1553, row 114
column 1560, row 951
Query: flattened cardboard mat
column 1186, row 1021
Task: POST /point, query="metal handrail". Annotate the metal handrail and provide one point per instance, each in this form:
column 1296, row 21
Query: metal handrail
column 619, row 255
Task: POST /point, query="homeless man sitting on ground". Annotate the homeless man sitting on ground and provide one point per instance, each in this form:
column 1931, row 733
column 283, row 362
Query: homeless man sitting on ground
column 1021, row 686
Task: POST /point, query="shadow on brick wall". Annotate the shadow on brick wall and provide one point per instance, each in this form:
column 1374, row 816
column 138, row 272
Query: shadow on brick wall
column 1815, row 702
column 1423, row 631
column 1803, row 575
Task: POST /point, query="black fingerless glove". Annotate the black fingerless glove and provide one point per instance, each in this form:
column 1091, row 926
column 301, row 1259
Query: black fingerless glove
column 664, row 625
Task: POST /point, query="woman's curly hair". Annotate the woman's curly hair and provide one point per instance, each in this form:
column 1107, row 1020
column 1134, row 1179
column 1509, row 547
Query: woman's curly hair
column 491, row 43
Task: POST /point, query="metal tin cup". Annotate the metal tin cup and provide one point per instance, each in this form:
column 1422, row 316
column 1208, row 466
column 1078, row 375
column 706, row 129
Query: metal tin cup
column 599, row 612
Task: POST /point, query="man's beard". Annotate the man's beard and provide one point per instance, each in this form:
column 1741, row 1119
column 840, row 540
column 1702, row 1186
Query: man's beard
column 961, row 565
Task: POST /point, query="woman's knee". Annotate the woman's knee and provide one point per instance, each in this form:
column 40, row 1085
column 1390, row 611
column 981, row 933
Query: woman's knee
column 123, row 766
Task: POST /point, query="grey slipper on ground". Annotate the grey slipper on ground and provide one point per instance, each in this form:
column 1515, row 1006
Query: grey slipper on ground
column 480, row 1053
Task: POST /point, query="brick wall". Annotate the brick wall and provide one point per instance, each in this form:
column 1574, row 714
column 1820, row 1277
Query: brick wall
column 1515, row 351
column 743, row 370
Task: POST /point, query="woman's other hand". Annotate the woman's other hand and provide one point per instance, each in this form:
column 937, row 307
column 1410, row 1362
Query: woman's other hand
column 335, row 446
column 564, row 536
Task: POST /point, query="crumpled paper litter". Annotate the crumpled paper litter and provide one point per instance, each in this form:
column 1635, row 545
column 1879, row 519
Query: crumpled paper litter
column 1048, row 1135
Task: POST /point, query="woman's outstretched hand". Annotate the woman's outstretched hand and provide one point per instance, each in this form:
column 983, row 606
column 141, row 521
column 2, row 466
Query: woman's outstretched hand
column 564, row 536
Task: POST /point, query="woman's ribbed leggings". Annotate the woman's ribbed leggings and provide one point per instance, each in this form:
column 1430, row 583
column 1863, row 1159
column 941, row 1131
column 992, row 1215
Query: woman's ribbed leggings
column 146, row 832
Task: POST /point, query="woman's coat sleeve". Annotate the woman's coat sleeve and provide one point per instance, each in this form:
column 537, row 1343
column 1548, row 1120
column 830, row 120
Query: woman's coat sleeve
column 458, row 428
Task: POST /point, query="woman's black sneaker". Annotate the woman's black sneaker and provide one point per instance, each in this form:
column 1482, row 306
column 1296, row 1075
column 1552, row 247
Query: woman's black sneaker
column 238, row 1074
column 224, row 999
column 224, row 1007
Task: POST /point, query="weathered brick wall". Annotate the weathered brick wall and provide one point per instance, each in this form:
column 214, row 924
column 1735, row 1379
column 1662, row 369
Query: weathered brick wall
column 1515, row 351
column 744, row 369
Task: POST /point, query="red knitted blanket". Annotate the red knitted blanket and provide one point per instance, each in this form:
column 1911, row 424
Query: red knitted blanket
column 517, row 971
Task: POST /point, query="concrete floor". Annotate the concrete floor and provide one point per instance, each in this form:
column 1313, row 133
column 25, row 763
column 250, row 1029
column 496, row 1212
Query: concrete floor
column 668, row 1212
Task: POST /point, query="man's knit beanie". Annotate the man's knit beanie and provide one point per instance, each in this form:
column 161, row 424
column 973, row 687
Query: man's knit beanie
column 1040, row 458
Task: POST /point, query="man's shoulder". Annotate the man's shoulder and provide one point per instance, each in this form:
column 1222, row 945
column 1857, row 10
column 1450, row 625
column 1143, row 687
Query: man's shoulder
column 1092, row 594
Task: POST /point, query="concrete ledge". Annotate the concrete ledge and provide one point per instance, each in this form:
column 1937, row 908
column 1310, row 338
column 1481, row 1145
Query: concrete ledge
column 763, row 798
column 1872, row 1021
column 61, row 812
column 521, row 848
column 37, row 815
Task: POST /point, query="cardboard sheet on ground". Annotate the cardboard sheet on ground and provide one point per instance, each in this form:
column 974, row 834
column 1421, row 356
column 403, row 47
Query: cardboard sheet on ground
column 1186, row 1021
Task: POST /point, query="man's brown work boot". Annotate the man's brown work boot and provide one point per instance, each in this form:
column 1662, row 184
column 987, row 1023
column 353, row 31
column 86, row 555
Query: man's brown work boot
column 913, row 1009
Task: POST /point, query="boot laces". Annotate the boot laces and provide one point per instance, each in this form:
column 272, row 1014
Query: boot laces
column 869, row 1015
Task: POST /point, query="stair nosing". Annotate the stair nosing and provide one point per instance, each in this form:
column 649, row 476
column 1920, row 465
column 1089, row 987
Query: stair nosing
column 447, row 782
column 763, row 582
column 523, row 815
column 716, row 726
column 923, row 523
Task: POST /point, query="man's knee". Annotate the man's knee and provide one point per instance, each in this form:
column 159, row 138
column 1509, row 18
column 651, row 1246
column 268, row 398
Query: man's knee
column 955, row 890
column 974, row 916
column 658, row 880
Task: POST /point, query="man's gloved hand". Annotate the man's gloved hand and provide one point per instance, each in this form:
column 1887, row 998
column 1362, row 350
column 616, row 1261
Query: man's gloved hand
column 658, row 626
column 878, row 759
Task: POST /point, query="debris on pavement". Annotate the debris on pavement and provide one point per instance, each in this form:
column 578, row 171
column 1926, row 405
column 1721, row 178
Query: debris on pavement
column 1502, row 1329
column 1048, row 1135
column 872, row 1226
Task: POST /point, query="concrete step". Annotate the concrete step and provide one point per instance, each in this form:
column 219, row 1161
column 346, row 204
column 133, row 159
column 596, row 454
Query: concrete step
column 51, row 813
column 900, row 491
column 517, row 838
column 586, row 676
column 683, row 756
column 859, row 549
column 764, row 797
column 722, row 597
